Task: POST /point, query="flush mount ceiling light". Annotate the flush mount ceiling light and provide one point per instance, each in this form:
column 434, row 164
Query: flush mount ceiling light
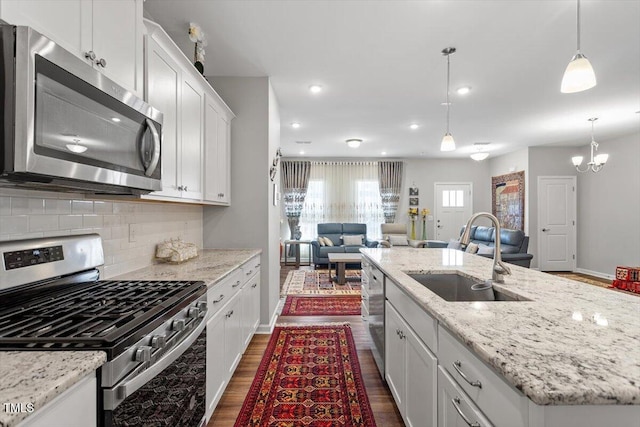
column 384, row 153
column 315, row 88
column 463, row 90
column 413, row 126
column 596, row 163
column 354, row 142
column 579, row 74
column 481, row 154
column 295, row 125
column 448, row 144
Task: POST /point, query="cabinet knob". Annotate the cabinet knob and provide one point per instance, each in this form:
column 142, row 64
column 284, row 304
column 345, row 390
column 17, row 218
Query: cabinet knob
column 180, row 188
column 101, row 63
column 90, row 55
column 185, row 188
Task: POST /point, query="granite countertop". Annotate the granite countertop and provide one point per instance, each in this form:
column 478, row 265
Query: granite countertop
column 211, row 266
column 572, row 344
column 37, row 377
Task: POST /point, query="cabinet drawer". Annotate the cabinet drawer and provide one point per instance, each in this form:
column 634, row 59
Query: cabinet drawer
column 222, row 291
column 455, row 408
column 250, row 267
column 425, row 326
column 503, row 404
column 376, row 278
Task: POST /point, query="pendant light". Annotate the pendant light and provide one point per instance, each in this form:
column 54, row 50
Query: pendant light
column 579, row 74
column 596, row 163
column 448, row 144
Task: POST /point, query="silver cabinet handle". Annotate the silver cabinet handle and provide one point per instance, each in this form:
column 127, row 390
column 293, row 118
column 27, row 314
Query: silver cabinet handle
column 457, row 365
column 185, row 188
column 155, row 157
column 249, row 273
column 91, row 55
column 229, row 314
column 236, row 284
column 220, row 298
column 101, row 63
column 456, row 403
column 545, row 229
column 254, row 285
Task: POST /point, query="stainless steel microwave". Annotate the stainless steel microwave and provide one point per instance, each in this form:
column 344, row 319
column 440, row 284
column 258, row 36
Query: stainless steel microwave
column 66, row 127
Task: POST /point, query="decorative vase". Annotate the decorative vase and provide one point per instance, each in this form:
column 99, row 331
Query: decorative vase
column 297, row 233
column 424, row 229
column 413, row 229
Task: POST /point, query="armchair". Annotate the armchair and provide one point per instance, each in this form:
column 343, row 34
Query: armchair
column 395, row 234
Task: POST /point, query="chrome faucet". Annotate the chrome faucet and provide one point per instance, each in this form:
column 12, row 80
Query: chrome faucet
column 499, row 267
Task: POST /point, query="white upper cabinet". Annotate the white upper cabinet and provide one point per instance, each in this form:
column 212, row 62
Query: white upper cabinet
column 196, row 125
column 108, row 34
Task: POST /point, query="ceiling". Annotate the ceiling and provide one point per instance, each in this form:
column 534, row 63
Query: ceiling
column 381, row 69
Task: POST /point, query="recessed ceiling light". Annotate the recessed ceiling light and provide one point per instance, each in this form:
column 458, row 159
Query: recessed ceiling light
column 384, row 153
column 354, row 142
column 414, row 126
column 315, row 88
column 115, row 119
column 295, row 125
column 301, row 151
column 463, row 90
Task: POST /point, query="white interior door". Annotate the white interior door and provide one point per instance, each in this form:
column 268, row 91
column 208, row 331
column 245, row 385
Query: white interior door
column 454, row 205
column 557, row 223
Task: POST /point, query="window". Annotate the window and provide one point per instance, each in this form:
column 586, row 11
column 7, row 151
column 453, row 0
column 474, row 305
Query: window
column 453, row 199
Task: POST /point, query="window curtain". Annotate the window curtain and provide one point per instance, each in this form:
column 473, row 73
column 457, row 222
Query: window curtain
column 390, row 181
column 295, row 180
column 342, row 192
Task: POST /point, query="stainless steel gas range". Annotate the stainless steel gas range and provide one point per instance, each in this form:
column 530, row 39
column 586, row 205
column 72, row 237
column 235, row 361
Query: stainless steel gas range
column 153, row 332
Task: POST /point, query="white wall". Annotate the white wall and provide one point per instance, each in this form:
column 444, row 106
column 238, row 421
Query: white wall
column 27, row 214
column 425, row 173
column 247, row 223
column 609, row 208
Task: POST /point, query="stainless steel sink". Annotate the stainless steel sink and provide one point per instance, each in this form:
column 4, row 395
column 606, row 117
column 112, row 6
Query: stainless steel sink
column 455, row 287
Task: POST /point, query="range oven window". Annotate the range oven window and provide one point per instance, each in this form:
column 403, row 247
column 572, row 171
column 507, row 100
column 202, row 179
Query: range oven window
column 175, row 397
column 77, row 122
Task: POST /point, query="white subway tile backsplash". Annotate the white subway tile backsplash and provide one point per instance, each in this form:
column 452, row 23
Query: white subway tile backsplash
column 26, row 214
column 43, row 223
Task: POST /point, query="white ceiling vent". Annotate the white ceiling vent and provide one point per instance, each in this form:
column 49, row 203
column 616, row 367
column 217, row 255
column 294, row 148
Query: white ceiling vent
column 303, row 142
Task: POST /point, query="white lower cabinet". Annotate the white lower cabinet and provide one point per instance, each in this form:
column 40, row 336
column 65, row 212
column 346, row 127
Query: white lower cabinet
column 250, row 309
column 455, row 408
column 411, row 371
column 75, row 407
column 216, row 371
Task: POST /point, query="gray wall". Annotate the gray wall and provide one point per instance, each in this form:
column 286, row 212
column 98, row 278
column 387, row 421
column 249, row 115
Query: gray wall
column 609, row 208
column 247, row 222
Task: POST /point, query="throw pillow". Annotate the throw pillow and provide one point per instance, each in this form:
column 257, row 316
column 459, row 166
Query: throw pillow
column 321, row 241
column 355, row 240
column 472, row 248
column 485, row 250
column 398, row 240
column 454, row 244
column 327, row 241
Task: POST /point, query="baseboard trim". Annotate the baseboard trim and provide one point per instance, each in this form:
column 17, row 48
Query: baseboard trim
column 268, row 329
column 595, row 273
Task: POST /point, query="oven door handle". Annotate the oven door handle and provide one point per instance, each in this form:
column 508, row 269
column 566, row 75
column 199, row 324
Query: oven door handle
column 155, row 157
column 113, row 397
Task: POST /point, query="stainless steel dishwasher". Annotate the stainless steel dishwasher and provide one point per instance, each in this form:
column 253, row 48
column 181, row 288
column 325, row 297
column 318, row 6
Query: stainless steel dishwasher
column 376, row 316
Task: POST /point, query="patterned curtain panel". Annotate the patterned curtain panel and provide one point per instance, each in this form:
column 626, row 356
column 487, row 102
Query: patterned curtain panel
column 295, row 181
column 390, row 180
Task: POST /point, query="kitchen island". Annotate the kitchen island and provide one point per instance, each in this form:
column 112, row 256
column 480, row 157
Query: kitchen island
column 570, row 344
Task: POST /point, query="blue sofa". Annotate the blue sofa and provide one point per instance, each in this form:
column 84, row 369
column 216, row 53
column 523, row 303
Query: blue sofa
column 334, row 232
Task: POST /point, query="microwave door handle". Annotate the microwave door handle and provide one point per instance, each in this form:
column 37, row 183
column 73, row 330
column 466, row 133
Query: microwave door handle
column 153, row 164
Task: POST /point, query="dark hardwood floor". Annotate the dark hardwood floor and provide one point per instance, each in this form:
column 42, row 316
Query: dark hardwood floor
column 384, row 409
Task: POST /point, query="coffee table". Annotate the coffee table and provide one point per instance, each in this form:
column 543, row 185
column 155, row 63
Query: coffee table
column 341, row 260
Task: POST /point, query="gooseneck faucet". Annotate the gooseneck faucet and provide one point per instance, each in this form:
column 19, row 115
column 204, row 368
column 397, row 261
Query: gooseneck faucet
column 499, row 267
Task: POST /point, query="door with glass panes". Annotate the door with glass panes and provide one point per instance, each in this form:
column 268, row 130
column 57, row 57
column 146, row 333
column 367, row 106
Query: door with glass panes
column 454, row 206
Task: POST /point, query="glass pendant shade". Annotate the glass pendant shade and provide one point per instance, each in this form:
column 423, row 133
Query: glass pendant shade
column 601, row 159
column 447, row 144
column 577, row 161
column 578, row 76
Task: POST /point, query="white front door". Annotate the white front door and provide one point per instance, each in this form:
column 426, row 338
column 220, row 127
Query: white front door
column 453, row 209
column 557, row 223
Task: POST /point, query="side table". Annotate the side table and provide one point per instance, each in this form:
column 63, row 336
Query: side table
column 296, row 250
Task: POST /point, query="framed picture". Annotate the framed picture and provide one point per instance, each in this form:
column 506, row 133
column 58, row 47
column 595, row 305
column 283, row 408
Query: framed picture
column 413, row 191
column 413, row 201
column 507, row 200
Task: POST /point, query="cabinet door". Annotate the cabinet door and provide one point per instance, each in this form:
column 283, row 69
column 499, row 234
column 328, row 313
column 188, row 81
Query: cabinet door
column 224, row 160
column 421, row 398
column 395, row 355
column 117, row 38
column 163, row 92
column 191, row 116
column 216, row 369
column 455, row 408
column 216, row 169
column 232, row 334
column 60, row 20
column 251, row 308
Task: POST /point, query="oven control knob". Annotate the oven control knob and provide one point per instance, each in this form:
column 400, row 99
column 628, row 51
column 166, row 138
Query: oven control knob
column 177, row 325
column 158, row 341
column 194, row 313
column 143, row 354
column 202, row 305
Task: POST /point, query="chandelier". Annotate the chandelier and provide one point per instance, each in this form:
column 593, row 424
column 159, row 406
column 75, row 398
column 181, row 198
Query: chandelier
column 597, row 162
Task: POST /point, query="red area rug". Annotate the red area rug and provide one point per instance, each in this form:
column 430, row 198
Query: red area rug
column 348, row 305
column 309, row 376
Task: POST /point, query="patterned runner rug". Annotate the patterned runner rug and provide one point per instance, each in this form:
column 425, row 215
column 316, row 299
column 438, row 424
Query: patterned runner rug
column 345, row 305
column 318, row 282
column 309, row 376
